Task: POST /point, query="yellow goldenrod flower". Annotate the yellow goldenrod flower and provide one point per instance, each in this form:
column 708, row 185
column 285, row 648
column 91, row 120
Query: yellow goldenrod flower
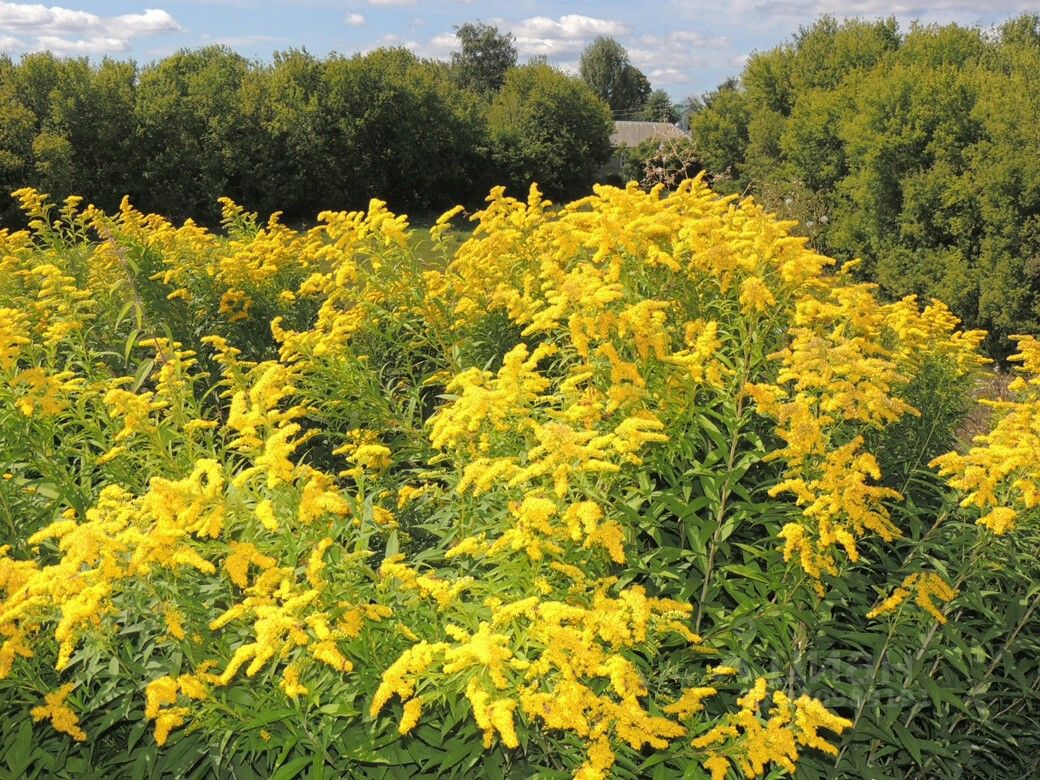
column 62, row 717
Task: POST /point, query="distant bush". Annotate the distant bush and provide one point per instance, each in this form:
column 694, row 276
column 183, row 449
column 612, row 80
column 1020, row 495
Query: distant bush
column 299, row 134
column 657, row 161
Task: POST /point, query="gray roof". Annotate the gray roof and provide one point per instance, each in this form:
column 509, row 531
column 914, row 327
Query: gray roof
column 634, row 133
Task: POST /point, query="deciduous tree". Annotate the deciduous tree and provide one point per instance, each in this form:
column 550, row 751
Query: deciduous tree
column 484, row 57
column 605, row 67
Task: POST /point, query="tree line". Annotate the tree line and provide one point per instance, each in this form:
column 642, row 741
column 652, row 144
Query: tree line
column 300, row 133
column 917, row 151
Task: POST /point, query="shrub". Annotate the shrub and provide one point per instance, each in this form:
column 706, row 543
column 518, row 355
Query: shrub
column 636, row 486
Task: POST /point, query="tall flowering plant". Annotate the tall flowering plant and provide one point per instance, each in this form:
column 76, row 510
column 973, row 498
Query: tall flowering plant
column 575, row 494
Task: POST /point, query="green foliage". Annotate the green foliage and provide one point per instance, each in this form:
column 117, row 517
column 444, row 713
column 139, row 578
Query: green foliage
column 284, row 108
column 605, row 67
column 403, row 312
column 299, row 134
column 485, row 56
column 67, row 125
column 659, row 108
column 917, row 149
column 720, row 131
column 655, row 161
column 401, row 128
column 548, row 127
column 189, row 119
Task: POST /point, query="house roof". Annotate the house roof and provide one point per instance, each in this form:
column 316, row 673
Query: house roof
column 634, row 133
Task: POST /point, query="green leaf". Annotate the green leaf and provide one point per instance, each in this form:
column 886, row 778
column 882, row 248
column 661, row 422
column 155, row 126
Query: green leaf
column 19, row 753
column 292, row 769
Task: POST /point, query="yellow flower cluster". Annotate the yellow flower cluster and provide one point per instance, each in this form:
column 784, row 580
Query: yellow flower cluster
column 751, row 742
column 928, row 587
column 59, row 713
column 41, row 394
column 554, row 662
column 12, row 337
column 840, row 377
column 163, row 692
column 240, row 411
column 999, row 476
column 191, row 522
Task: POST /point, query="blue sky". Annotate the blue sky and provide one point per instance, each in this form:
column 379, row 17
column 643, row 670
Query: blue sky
column 684, row 47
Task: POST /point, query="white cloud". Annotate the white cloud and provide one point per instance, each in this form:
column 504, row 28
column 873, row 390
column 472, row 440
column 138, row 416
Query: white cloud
column 667, row 59
column 535, row 36
column 875, row 8
column 392, row 2
column 151, row 22
column 683, row 39
column 569, row 33
column 92, row 45
column 33, row 18
column 67, row 31
column 441, row 46
column 659, row 76
column 394, row 42
column 355, row 20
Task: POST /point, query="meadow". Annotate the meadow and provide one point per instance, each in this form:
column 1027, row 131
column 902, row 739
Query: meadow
column 639, row 485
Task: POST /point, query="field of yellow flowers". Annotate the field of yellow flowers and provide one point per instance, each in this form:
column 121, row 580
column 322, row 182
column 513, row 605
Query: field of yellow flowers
column 639, row 486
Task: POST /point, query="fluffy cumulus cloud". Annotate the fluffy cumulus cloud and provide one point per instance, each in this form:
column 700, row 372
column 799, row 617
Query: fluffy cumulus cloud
column 541, row 35
column 667, row 59
column 355, row 20
column 441, row 46
column 27, row 26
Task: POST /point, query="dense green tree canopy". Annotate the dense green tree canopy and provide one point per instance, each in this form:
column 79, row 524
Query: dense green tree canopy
column 605, row 67
column 659, row 108
column 917, row 151
column 299, row 133
column 485, row 56
column 192, row 129
column 548, row 128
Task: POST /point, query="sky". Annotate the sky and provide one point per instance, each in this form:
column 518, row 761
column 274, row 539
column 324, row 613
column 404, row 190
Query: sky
column 686, row 48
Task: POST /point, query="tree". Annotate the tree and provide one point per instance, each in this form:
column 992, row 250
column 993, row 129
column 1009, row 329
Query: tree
column 1022, row 31
column 400, row 129
column 720, row 131
column 549, row 128
column 282, row 104
column 659, row 108
column 192, row 132
column 915, row 151
column 605, row 67
column 82, row 124
column 484, row 58
column 17, row 127
column 828, row 51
